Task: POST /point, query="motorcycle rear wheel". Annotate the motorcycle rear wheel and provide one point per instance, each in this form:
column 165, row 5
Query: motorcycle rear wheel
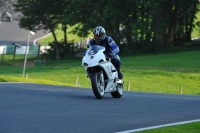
column 119, row 92
column 98, row 85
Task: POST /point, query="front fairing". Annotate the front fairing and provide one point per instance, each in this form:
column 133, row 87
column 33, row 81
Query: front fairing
column 94, row 56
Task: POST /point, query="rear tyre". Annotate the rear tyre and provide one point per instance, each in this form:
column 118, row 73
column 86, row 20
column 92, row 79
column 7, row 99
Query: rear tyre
column 119, row 92
column 98, row 85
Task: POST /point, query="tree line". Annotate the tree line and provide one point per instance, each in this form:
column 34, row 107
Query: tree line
column 136, row 25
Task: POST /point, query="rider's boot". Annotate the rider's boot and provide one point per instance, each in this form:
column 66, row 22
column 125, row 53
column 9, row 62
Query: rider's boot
column 117, row 65
column 120, row 75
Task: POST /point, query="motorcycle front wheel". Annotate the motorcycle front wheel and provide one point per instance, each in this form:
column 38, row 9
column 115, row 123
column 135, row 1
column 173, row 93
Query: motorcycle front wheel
column 98, row 85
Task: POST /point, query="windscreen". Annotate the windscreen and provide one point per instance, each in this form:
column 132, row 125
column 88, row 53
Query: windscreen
column 94, row 49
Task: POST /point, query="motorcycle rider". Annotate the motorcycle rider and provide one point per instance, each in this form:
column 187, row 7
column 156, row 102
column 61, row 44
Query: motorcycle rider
column 111, row 48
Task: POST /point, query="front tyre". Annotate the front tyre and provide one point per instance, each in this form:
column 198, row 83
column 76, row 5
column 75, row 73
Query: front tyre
column 119, row 92
column 97, row 82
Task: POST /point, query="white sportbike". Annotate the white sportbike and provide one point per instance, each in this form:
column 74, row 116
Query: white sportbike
column 101, row 72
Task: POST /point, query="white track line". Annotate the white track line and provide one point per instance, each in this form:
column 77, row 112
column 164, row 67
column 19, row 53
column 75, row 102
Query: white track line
column 159, row 126
column 34, row 42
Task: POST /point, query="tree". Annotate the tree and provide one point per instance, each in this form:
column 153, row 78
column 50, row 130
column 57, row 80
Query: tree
column 6, row 6
column 151, row 23
column 44, row 14
column 174, row 21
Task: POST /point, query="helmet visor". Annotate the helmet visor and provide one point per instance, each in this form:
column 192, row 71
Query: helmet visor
column 98, row 38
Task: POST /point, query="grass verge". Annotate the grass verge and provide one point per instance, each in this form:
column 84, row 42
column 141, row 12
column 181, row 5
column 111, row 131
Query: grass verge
column 164, row 73
column 193, row 127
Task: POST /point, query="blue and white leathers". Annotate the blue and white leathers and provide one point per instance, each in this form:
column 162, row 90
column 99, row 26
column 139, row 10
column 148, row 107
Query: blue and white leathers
column 108, row 43
column 110, row 48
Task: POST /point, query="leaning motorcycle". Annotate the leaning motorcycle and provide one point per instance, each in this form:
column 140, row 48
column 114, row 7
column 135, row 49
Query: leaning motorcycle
column 101, row 72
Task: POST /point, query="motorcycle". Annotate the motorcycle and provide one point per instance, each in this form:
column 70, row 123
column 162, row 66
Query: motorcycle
column 102, row 73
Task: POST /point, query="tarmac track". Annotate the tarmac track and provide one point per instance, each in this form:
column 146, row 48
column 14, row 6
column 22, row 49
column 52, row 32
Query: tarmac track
column 35, row 108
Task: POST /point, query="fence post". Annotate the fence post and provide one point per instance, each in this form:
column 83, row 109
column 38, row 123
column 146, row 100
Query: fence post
column 26, row 76
column 76, row 82
column 14, row 52
column 38, row 54
column 129, row 85
column 181, row 90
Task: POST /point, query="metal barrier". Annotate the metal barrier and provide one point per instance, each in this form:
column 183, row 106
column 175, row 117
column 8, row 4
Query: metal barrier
column 9, row 52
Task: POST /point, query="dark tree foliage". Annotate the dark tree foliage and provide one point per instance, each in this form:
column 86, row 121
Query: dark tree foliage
column 136, row 25
column 144, row 25
column 44, row 14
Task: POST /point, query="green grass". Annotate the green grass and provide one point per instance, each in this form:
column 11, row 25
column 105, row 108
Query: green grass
column 164, row 73
column 196, row 29
column 59, row 34
column 185, row 128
